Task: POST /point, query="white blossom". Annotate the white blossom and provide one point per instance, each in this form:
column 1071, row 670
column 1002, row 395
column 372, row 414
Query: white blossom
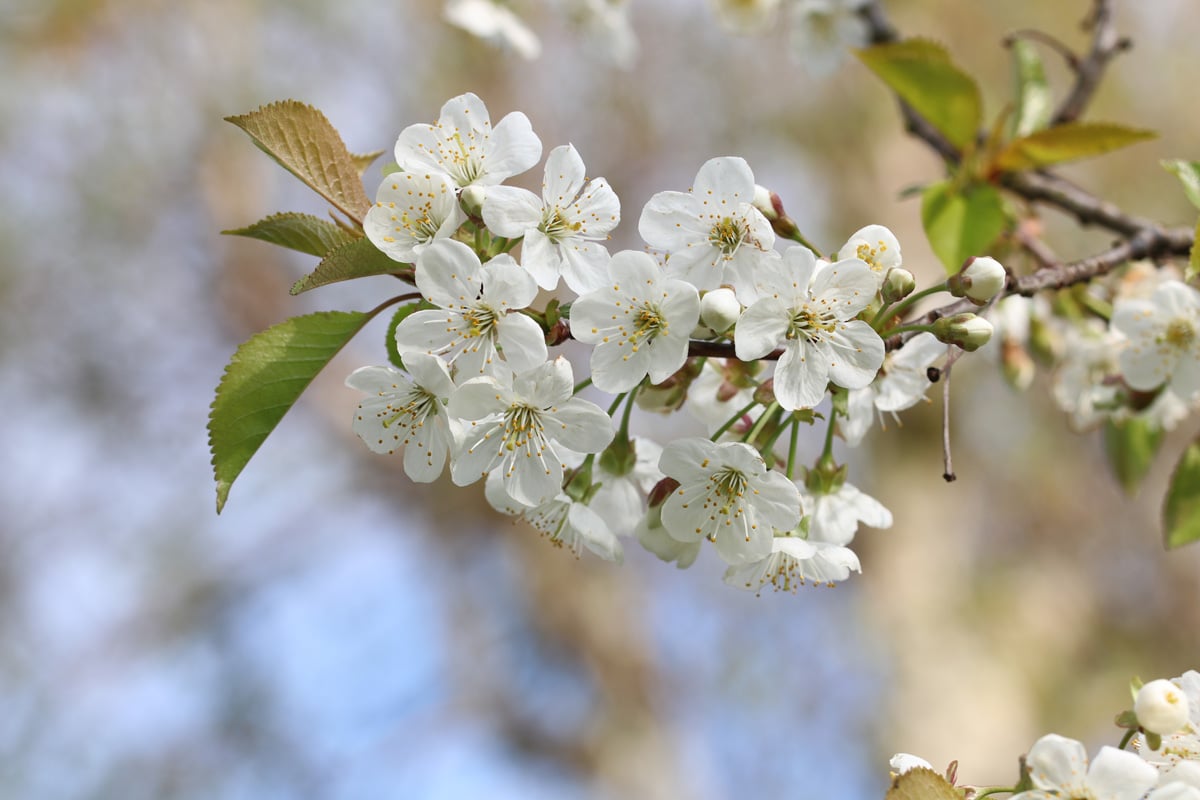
column 1164, row 339
column 808, row 308
column 494, row 23
column 563, row 229
column 1059, row 768
column 621, row 498
column 639, row 323
column 824, row 31
column 834, row 516
column 902, row 382
column 713, row 398
column 655, row 538
column 712, row 234
column 795, row 562
column 473, row 324
column 1161, row 707
column 876, row 246
column 605, row 26
column 1183, row 745
column 727, row 495
column 411, row 210
column 464, row 145
column 565, row 522
column 745, row 16
column 514, row 424
column 406, row 411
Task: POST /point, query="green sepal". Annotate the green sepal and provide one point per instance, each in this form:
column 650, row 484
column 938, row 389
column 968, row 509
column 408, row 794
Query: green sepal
column 921, row 73
column 356, row 259
column 401, row 312
column 1131, row 445
column 264, row 379
column 1153, row 740
column 1188, row 173
column 295, row 231
column 1181, row 509
column 1135, row 686
column 579, row 486
column 961, row 223
column 922, row 783
column 1067, row 142
column 620, row 457
column 1035, row 103
column 1127, row 719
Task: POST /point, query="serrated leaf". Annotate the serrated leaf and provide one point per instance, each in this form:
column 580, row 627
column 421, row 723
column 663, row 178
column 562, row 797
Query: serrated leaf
column 303, row 142
column 1034, row 101
column 961, row 224
column 1181, row 510
column 1131, row 445
column 921, row 73
column 357, row 259
column 296, row 231
column 263, row 380
column 1188, row 173
column 363, row 161
column 392, row 351
column 922, row 783
column 1067, row 142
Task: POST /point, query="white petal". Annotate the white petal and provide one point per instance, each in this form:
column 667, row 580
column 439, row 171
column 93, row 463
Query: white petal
column 449, row 274
column 514, row 148
column 506, row 284
column 688, row 459
column 1120, row 775
column 728, row 178
column 857, row 353
column 1056, row 762
column 580, row 425
column 511, row 211
column 761, row 329
column 522, row 341
column 584, row 264
column 564, row 176
column 802, row 375
column 671, row 220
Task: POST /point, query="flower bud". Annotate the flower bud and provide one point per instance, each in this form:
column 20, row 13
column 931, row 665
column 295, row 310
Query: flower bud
column 903, row 762
column 764, row 395
column 661, row 491
column 471, row 200
column 979, row 281
column 1161, row 707
column 719, row 309
column 764, row 201
column 968, row 331
column 898, row 285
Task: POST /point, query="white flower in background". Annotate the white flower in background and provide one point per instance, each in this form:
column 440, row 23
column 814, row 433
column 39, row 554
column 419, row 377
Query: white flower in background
column 562, row 520
column 808, row 308
column 1178, row 782
column 795, row 562
column 605, row 26
column 726, row 494
column 464, row 145
column 514, row 424
column 621, row 499
column 1183, row 745
column 639, row 323
column 904, row 762
column 1164, row 339
column 745, row 16
column 713, row 398
column 494, row 23
column 563, row 228
column 711, row 234
column 824, row 31
column 835, row 515
column 1059, row 768
column 1161, row 707
column 400, row 411
column 411, row 210
column 1085, row 384
column 472, row 324
column 655, row 538
column 902, row 382
column 874, row 245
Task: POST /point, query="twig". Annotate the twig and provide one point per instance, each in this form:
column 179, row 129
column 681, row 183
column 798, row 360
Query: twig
column 1053, row 43
column 951, row 357
column 1032, row 244
column 1088, row 71
column 1052, row 190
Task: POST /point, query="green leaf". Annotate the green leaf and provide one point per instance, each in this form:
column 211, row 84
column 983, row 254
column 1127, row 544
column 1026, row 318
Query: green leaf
column 303, row 142
column 1181, row 511
column 1188, row 173
column 1131, row 446
column 392, row 351
column 363, row 161
column 921, row 73
column 263, row 380
column 296, row 231
column 356, row 259
column 1035, row 103
column 1193, row 267
column 1067, row 142
column 961, row 224
column 922, row 783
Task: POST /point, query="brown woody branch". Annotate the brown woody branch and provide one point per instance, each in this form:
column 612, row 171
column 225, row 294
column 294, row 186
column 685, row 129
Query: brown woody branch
column 1089, row 70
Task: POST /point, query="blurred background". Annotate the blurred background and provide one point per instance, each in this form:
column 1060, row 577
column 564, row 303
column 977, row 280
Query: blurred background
column 340, row 633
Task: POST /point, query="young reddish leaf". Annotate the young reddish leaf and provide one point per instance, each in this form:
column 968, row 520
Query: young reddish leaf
column 1067, row 142
column 303, row 142
column 303, row 232
column 921, row 73
column 264, row 379
column 356, row 259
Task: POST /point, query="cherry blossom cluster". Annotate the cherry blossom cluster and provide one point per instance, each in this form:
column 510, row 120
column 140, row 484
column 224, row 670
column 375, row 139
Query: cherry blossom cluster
column 1163, row 762
column 481, row 391
column 1125, row 349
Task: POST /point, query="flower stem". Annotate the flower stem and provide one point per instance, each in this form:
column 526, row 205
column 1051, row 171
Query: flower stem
column 1127, row 738
column 887, row 313
column 907, row 328
column 763, row 419
column 827, row 450
column 729, row 423
column 583, row 384
column 624, row 431
column 616, row 404
column 792, row 448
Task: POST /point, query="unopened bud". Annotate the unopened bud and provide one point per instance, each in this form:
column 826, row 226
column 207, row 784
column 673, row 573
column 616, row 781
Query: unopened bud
column 968, row 331
column 471, row 200
column 719, row 309
column 559, row 332
column 764, row 395
column 1161, row 707
column 765, row 200
column 979, row 281
column 898, row 285
column 661, row 491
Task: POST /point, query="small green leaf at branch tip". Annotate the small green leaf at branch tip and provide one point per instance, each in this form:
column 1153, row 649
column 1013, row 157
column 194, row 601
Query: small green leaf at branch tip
column 264, row 379
column 295, row 231
column 1181, row 509
column 922, row 783
column 1131, row 445
column 355, row 259
column 1035, row 101
column 1188, row 173
column 961, row 224
column 1067, row 142
column 392, row 351
column 921, row 73
column 303, row 141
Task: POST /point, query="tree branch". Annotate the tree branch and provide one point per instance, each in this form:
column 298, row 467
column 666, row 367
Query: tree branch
column 1090, row 69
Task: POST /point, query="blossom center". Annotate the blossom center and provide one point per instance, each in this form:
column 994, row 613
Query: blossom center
column 810, row 324
column 728, row 489
column 480, row 320
column 557, row 227
column 423, row 228
column 418, row 405
column 463, row 159
column 727, row 235
column 523, row 429
column 872, row 255
column 1180, row 333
